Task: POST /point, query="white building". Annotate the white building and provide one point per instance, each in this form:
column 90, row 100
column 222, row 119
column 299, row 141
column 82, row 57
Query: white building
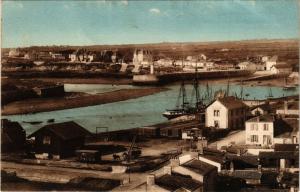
column 260, row 130
column 227, row 112
column 142, row 57
column 262, row 109
column 281, row 68
column 165, row 62
column 271, row 62
column 247, row 66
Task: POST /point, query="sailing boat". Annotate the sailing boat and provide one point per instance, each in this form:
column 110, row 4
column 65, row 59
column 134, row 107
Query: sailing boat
column 288, row 87
column 270, row 93
column 184, row 109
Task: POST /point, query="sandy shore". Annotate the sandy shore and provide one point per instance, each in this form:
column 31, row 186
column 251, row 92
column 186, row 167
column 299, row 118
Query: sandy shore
column 101, row 80
column 51, row 104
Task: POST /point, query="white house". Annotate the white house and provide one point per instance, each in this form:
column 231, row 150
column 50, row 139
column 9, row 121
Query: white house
column 227, row 112
column 271, row 62
column 281, row 68
column 142, row 57
column 260, row 130
column 247, row 66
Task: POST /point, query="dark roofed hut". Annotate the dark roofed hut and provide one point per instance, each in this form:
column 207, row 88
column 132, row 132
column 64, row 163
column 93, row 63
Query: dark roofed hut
column 60, row 139
column 13, row 136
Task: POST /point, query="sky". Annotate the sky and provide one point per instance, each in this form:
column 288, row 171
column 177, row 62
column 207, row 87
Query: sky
column 28, row 23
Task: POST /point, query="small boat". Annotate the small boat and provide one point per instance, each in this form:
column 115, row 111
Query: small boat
column 50, row 120
column 287, row 87
column 174, row 113
column 33, row 122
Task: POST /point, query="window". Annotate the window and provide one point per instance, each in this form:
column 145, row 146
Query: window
column 267, row 140
column 266, row 127
column 254, row 138
column 253, row 127
column 216, row 123
column 216, row 113
column 47, row 140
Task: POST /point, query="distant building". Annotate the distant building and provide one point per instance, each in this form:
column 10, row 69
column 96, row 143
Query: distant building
column 281, row 68
column 247, row 66
column 227, row 112
column 142, row 57
column 57, row 56
column 165, row 62
column 15, row 53
column 262, row 109
column 271, row 62
column 13, row 136
column 31, row 55
column 289, row 108
column 59, row 140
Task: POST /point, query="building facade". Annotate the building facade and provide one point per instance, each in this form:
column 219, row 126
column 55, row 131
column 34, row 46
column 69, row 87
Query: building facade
column 227, row 112
column 260, row 131
column 142, row 57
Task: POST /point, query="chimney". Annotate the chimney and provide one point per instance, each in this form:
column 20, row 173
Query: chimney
column 238, row 152
column 259, row 168
column 231, row 166
column 282, row 163
column 151, row 69
column 174, row 162
column 151, row 179
column 285, row 107
column 200, row 148
column 292, row 189
column 168, row 170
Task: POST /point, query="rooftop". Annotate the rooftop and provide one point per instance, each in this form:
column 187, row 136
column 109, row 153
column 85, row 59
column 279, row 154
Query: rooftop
column 243, row 159
column 231, row 102
column 174, row 182
column 291, row 105
column 199, row 166
column 286, row 147
column 265, row 107
column 247, row 174
column 262, row 118
column 279, row 155
column 67, row 130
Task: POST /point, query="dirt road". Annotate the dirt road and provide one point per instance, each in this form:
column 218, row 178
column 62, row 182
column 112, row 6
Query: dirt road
column 238, row 137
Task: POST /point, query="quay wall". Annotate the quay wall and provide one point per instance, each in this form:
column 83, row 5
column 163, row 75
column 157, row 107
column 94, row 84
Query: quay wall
column 164, row 78
column 145, row 79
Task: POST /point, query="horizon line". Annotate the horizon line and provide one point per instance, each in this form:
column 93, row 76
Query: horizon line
column 162, row 42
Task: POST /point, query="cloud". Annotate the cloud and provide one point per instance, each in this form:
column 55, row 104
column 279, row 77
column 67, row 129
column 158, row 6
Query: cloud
column 154, row 11
column 125, row 2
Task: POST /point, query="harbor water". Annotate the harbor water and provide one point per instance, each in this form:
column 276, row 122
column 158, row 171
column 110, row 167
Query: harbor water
column 133, row 113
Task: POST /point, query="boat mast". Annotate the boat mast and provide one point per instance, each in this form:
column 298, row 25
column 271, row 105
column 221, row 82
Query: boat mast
column 270, row 93
column 196, row 87
column 183, row 94
column 227, row 90
column 242, row 89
